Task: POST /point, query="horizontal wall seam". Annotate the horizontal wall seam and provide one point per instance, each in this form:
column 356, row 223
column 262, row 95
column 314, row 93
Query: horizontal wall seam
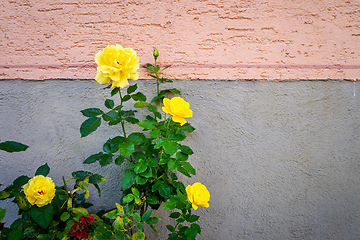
column 262, row 66
column 194, row 80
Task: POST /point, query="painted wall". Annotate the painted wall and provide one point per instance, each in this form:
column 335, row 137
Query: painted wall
column 205, row 39
column 281, row 159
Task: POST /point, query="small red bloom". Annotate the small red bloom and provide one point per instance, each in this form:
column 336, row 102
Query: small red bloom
column 80, row 229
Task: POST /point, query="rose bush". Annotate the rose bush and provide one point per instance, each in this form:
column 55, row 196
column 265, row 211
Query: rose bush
column 153, row 156
column 150, row 159
column 48, row 211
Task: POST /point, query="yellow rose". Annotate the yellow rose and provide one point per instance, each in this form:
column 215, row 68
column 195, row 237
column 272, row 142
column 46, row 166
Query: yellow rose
column 117, row 64
column 178, row 108
column 39, row 190
column 198, row 195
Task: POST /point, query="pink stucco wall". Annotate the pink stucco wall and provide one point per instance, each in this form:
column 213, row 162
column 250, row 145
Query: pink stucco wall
column 205, row 39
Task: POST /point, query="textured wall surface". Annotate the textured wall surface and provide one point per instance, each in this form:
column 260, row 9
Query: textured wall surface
column 205, row 39
column 281, row 159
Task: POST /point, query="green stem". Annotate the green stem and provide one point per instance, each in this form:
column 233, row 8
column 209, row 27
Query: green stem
column 122, row 120
column 66, row 189
column 157, row 87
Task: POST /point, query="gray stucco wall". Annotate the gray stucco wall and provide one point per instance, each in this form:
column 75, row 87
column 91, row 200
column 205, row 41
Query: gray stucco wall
column 280, row 159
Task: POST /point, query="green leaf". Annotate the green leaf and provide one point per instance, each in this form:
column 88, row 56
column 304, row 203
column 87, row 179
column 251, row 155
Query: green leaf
column 81, row 175
column 170, row 204
column 155, row 133
column 170, row 228
column 138, row 236
column 160, row 96
column 190, row 233
column 146, row 124
column 2, row 214
column 193, row 218
column 65, row 216
column 131, row 88
column 140, row 226
column 96, row 179
column 118, row 223
column 126, row 148
column 140, row 166
column 126, row 98
column 153, row 220
column 42, row 215
column 175, row 215
column 119, row 235
column 114, row 144
column 149, row 66
column 159, row 143
column 115, row 91
column 80, row 212
column 152, row 200
column 43, row 170
column 177, row 136
column 105, row 159
column 11, row 146
column 128, row 180
column 139, row 155
column 174, row 90
column 183, row 197
column 163, row 161
column 183, row 171
column 148, row 173
column 141, row 104
column 109, row 103
column 196, row 227
column 20, row 181
column 101, row 233
column 92, row 112
column 128, row 113
column 137, row 217
column 187, row 127
column 137, row 138
column 152, row 162
column 43, row 237
column 113, row 116
column 128, row 198
column 15, row 234
column 112, row 214
column 93, row 158
column 147, row 215
column 172, row 164
column 185, row 149
column 181, row 156
column 164, row 190
column 21, row 201
column 187, row 166
column 173, row 176
column 154, row 228
column 90, row 125
column 171, row 147
column 135, row 191
column 119, row 160
column 30, row 232
column 139, row 97
column 3, row 195
column 132, row 120
column 140, row 180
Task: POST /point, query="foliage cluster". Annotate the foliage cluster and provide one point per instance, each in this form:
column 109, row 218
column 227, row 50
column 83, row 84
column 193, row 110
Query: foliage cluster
column 150, row 159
